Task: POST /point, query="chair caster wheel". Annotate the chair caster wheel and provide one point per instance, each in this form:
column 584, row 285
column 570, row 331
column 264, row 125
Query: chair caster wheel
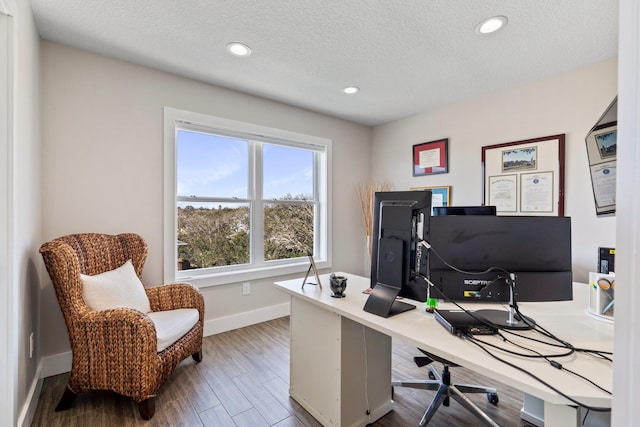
column 431, row 376
column 493, row 398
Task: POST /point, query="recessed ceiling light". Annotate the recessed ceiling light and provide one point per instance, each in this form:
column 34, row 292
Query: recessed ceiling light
column 239, row 49
column 351, row 89
column 491, row 25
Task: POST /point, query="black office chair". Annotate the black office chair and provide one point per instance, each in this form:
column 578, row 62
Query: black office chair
column 441, row 383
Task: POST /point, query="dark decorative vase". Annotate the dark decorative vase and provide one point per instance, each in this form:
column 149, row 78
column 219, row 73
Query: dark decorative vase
column 338, row 284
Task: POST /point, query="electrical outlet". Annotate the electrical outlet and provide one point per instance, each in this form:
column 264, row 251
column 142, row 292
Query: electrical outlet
column 31, row 345
column 246, row 288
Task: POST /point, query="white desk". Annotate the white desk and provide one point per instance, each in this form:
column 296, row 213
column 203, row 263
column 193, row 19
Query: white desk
column 341, row 355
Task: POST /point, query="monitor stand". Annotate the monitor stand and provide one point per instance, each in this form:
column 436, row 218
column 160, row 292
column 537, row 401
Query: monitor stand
column 382, row 301
column 506, row 319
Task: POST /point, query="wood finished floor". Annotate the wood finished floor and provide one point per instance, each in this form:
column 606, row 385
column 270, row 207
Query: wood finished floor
column 243, row 381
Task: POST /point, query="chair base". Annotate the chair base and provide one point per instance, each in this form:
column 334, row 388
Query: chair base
column 147, row 408
column 445, row 390
column 66, row 401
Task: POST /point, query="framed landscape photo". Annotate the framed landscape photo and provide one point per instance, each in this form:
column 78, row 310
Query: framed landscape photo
column 518, row 159
column 525, row 177
column 606, row 142
column 431, row 157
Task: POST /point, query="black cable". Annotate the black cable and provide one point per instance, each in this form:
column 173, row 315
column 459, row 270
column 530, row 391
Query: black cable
column 486, row 322
column 488, row 270
column 569, row 398
column 600, row 354
column 561, row 343
column 515, row 306
column 537, row 328
column 537, row 354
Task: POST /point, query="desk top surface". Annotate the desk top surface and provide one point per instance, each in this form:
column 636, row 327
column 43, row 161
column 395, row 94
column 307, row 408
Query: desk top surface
column 565, row 319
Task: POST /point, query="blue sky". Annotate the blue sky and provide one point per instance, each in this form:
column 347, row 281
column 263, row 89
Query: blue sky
column 217, row 166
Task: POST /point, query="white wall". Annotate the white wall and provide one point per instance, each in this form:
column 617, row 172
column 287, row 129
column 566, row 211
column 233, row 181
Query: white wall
column 22, row 204
column 102, row 134
column 626, row 371
column 570, row 103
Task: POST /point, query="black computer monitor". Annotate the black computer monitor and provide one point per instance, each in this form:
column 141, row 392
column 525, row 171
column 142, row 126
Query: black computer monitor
column 535, row 249
column 463, row 210
column 398, row 262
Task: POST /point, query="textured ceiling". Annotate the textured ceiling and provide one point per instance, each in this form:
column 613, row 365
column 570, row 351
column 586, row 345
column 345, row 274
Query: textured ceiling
column 407, row 56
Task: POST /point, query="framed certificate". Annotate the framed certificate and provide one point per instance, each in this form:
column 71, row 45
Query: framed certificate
column 602, row 154
column 431, row 157
column 525, row 177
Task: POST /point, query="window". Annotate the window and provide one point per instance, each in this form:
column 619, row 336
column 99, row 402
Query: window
column 242, row 201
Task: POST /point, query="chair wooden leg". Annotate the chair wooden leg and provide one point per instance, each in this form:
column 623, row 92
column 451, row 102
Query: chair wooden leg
column 197, row 356
column 66, row 400
column 147, row 408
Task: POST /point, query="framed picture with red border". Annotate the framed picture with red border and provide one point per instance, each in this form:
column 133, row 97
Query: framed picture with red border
column 431, row 157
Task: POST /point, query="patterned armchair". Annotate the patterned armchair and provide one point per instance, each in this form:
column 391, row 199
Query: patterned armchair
column 117, row 349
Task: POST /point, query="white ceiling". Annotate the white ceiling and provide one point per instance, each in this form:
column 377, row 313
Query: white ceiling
column 407, row 56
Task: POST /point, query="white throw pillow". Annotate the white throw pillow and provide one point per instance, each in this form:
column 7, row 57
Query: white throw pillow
column 119, row 288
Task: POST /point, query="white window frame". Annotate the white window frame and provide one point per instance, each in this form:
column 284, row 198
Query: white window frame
column 176, row 119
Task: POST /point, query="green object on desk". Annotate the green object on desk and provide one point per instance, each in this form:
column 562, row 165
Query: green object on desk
column 432, row 304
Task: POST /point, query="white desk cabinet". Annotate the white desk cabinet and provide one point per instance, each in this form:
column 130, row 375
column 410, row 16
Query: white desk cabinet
column 340, row 369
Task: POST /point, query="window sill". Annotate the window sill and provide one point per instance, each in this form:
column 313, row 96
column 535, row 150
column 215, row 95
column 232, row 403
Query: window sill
column 205, row 280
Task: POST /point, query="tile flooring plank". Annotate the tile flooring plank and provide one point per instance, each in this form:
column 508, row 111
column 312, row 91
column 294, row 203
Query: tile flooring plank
column 250, row 418
column 216, row 417
column 227, row 392
column 289, row 422
column 263, row 401
column 280, row 390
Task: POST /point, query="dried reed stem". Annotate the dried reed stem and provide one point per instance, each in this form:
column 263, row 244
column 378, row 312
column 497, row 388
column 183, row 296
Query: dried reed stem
column 365, row 194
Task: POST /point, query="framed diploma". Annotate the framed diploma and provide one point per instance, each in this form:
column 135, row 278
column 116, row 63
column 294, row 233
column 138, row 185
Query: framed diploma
column 431, row 157
column 525, row 177
column 536, row 192
column 503, row 191
column 602, row 144
column 603, row 177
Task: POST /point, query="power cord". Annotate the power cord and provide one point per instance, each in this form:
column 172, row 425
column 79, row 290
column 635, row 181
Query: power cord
column 366, row 373
column 535, row 327
column 554, row 363
column 509, row 281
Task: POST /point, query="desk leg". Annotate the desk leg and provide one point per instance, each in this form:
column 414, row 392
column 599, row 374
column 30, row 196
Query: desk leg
column 560, row 415
column 541, row 413
column 334, row 376
column 534, row 410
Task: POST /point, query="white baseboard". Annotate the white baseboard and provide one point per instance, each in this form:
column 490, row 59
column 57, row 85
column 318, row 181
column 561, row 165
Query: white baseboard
column 60, row 363
column 25, row 418
column 240, row 320
column 56, row 364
